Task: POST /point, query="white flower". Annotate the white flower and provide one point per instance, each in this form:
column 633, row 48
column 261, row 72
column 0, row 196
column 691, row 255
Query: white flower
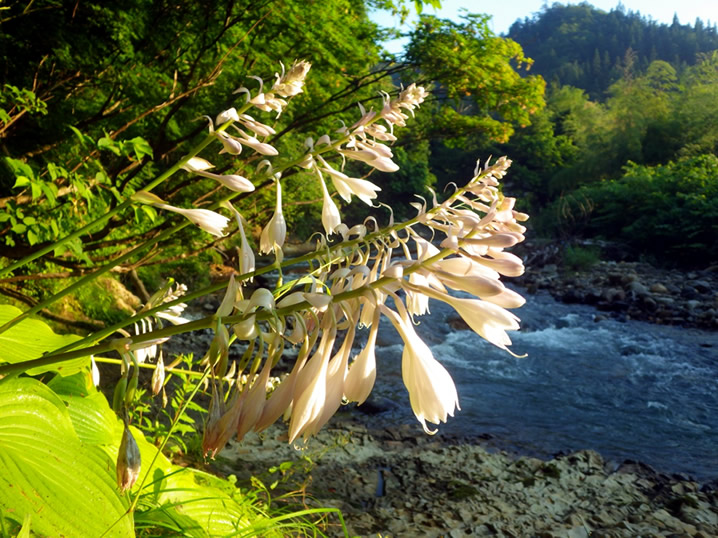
column 230, row 144
column 227, row 115
column 432, row 391
column 233, row 182
column 330, row 212
column 246, row 255
column 291, row 83
column 275, row 232
column 346, row 186
column 361, row 376
column 311, row 389
column 209, row 221
column 158, row 376
column 254, row 402
column 256, row 127
column 417, row 303
column 256, row 145
column 197, row 164
column 486, row 319
column 94, row 372
column 372, row 158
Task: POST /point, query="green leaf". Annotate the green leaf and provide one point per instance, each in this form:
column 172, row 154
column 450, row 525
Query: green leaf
column 177, row 497
column 29, row 339
column 93, row 419
column 68, row 487
column 107, row 143
column 141, row 147
column 21, row 181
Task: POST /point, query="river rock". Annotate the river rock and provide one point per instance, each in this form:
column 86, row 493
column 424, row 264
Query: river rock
column 659, row 288
column 639, row 289
column 613, row 294
column 702, row 286
column 448, row 488
column 666, row 300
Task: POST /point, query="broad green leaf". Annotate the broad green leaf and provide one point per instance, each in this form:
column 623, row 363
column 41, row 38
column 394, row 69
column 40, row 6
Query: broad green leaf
column 178, row 497
column 29, row 339
column 93, row 419
column 67, row 486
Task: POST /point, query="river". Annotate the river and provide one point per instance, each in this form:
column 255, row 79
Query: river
column 629, row 390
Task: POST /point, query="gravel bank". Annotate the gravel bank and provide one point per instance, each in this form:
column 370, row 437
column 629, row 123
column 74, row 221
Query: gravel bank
column 393, row 482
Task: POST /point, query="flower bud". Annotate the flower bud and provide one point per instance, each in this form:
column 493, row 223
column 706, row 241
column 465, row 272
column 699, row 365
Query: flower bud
column 158, row 376
column 128, row 461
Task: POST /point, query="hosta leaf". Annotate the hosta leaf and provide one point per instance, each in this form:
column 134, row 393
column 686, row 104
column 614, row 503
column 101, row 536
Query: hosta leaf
column 93, row 419
column 67, row 486
column 30, row 338
column 183, row 498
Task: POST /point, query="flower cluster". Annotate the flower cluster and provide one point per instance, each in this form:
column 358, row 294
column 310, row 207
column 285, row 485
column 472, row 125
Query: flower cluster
column 453, row 251
column 478, row 222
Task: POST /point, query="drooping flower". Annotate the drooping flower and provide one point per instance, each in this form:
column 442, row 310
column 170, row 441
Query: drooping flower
column 336, row 374
column 330, row 212
column 209, row 221
column 486, row 319
column 222, row 420
column 346, row 186
column 432, row 391
column 360, row 378
column 282, row 396
column 94, row 372
column 246, row 255
column 254, row 402
column 275, row 232
column 310, row 390
column 158, row 376
column 233, row 182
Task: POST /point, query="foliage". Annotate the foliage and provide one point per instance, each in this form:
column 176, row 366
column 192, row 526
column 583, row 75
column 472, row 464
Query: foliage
column 582, row 46
column 112, row 94
column 579, row 258
column 478, row 73
column 665, row 210
column 101, row 175
column 59, row 444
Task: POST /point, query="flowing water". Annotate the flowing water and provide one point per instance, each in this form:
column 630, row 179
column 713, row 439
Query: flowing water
column 629, row 390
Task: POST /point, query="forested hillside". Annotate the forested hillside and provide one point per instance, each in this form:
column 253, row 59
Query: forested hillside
column 579, row 45
column 625, row 149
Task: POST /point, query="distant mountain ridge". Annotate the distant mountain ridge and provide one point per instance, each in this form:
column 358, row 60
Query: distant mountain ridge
column 585, row 47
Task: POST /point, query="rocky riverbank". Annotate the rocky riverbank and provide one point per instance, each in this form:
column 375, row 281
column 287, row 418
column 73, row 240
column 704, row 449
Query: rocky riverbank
column 631, row 290
column 393, row 482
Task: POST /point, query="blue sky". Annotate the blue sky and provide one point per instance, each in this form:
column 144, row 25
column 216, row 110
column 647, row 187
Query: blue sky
column 505, row 12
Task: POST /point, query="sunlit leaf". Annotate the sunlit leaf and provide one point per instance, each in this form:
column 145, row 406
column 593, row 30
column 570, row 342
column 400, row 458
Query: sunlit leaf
column 30, row 339
column 67, row 486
